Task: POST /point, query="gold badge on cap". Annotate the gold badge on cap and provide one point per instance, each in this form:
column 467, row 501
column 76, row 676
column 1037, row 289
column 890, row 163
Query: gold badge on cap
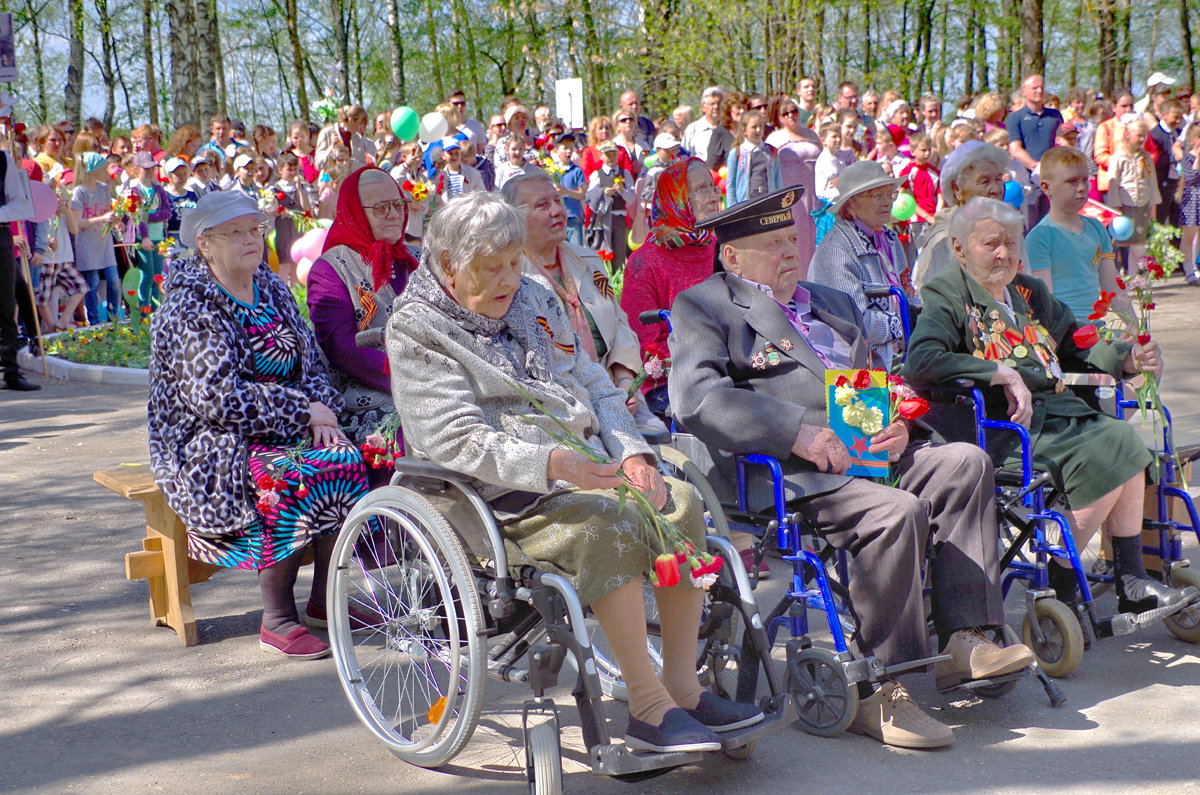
column 788, row 200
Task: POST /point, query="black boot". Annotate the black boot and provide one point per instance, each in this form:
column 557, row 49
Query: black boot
column 12, row 372
column 1063, row 581
column 1136, row 591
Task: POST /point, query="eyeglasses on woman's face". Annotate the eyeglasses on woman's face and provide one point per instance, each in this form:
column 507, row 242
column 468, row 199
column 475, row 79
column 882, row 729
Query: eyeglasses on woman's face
column 789, row 112
column 383, row 209
column 758, row 107
column 257, row 230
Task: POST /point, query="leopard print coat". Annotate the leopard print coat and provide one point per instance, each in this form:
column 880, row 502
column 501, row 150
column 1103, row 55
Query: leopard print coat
column 205, row 403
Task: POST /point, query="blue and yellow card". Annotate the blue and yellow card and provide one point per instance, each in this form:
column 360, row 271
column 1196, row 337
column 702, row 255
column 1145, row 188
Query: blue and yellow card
column 859, row 407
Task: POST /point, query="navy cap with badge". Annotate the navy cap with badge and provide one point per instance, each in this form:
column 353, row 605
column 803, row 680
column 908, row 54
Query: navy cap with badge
column 753, row 217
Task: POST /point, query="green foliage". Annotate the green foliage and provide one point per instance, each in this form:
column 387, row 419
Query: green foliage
column 1161, row 244
column 112, row 345
column 300, row 293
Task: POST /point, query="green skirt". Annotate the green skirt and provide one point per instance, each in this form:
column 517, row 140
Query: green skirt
column 1087, row 457
column 582, row 536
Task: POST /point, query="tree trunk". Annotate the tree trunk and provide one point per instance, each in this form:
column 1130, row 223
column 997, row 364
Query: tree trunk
column 73, row 95
column 969, row 65
column 1107, row 46
column 1125, row 51
column 1076, row 37
column 341, row 37
column 395, row 53
column 817, row 51
column 148, row 54
column 867, row 67
column 1033, row 59
column 941, row 92
column 206, row 64
column 30, row 17
column 593, row 57
column 106, row 62
column 981, row 45
column 358, row 54
column 181, row 16
column 1185, row 34
column 433, row 49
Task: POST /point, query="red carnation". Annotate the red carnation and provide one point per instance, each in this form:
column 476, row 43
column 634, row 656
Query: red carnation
column 158, row 278
column 1120, row 283
column 841, row 380
column 912, row 408
column 1086, row 336
column 265, row 482
column 667, row 570
column 862, row 379
column 1143, row 339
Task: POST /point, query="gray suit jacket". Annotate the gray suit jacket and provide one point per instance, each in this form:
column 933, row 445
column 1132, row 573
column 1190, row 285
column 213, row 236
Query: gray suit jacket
column 734, row 408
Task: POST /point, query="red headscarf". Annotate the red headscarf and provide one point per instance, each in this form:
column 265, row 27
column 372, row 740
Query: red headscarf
column 352, row 228
column 672, row 223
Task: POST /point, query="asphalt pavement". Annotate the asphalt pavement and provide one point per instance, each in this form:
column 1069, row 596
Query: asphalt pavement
column 95, row 699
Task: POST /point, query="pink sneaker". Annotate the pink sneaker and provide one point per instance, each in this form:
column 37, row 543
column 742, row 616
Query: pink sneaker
column 299, row 644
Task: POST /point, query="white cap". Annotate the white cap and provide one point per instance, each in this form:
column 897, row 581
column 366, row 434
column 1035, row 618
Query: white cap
column 665, row 141
column 214, row 209
column 173, row 163
column 1159, row 79
column 241, row 161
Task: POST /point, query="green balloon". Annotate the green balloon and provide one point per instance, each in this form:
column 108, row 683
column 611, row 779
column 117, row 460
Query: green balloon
column 405, row 123
column 271, row 240
column 651, row 160
column 904, row 207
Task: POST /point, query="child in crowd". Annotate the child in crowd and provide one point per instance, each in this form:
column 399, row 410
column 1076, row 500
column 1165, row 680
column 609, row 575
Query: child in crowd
column 410, row 169
column 95, row 259
column 752, row 167
column 922, row 181
column 828, row 164
column 571, row 186
column 243, row 176
column 455, row 178
column 61, row 285
column 179, row 192
column 206, row 169
column 156, row 209
column 1071, row 253
column 850, row 127
column 333, row 173
column 484, row 165
column 887, row 148
column 514, row 162
column 263, row 173
column 1133, row 187
column 1189, row 207
column 295, row 199
column 610, row 195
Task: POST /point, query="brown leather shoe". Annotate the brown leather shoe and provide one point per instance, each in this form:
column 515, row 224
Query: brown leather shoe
column 892, row 717
column 973, row 656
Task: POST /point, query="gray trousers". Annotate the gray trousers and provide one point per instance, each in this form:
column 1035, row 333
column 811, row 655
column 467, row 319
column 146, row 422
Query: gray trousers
column 944, row 503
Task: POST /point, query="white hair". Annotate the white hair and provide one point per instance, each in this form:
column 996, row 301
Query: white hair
column 478, row 224
column 512, row 189
column 981, row 208
column 712, row 91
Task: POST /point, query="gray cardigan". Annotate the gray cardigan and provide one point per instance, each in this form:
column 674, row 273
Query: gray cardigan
column 452, row 375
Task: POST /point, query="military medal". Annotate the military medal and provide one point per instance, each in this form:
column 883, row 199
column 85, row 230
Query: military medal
column 1020, row 351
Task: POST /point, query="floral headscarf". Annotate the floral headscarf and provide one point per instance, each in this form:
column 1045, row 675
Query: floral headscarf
column 352, row 228
column 672, row 224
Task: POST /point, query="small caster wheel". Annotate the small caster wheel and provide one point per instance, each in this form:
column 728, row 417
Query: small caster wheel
column 1062, row 650
column 826, row 699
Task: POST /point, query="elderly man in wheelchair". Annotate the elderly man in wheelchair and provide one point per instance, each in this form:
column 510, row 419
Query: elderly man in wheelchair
column 751, row 348
column 484, row 368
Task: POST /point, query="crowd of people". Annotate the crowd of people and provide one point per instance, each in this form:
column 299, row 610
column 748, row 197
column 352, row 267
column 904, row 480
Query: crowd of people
column 524, row 252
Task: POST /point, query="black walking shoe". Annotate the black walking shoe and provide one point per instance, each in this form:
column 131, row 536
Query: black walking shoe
column 1138, row 593
column 17, row 383
column 679, row 731
column 722, row 715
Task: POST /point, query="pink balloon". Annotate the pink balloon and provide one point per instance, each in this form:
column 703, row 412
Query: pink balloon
column 45, row 201
column 303, row 265
column 308, row 246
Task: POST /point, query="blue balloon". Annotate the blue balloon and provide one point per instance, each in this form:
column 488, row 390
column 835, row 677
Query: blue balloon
column 1014, row 194
column 1122, row 228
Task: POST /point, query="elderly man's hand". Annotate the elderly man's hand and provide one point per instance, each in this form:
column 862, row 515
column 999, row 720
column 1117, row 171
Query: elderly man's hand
column 581, row 471
column 823, row 448
column 646, row 479
column 893, row 439
column 1020, row 401
column 1145, row 358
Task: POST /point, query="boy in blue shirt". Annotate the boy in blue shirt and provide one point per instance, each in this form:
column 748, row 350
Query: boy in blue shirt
column 571, row 186
column 1071, row 253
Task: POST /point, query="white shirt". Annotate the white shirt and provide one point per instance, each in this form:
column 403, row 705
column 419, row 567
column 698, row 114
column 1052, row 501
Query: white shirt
column 697, row 137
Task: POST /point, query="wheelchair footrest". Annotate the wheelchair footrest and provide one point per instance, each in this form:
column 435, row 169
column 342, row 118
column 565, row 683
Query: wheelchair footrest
column 779, row 712
column 976, row 684
column 899, row 668
column 1126, row 623
column 617, row 759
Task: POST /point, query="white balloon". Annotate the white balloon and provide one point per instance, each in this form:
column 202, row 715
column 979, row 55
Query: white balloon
column 433, row 127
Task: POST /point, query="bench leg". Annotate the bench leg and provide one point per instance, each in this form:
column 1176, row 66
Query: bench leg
column 170, row 595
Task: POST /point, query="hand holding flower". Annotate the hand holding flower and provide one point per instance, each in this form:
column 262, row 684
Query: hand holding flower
column 893, row 439
column 1145, row 356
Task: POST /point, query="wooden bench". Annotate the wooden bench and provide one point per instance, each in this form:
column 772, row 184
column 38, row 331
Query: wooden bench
column 163, row 559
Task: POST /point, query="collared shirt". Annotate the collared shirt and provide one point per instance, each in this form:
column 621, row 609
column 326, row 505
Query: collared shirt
column 1036, row 131
column 697, row 137
column 830, row 347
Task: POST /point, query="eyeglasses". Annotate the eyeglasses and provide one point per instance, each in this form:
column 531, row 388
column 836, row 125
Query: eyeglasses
column 383, row 209
column 758, row 107
column 236, row 234
column 499, row 124
column 706, row 190
column 459, row 102
column 625, row 121
column 791, row 112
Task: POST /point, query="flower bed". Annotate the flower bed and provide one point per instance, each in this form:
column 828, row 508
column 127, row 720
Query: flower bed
column 112, row 345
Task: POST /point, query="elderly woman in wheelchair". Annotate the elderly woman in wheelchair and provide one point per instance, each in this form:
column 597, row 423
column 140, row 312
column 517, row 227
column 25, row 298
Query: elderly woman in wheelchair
column 468, row 330
column 986, row 323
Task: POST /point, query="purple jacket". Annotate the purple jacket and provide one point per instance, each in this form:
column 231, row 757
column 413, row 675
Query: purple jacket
column 332, row 314
column 162, row 214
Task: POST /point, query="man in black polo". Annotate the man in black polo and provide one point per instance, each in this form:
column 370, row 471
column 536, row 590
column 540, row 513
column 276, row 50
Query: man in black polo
column 1031, row 132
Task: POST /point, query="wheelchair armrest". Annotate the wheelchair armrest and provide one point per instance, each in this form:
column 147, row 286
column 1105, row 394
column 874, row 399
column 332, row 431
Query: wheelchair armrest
column 371, row 338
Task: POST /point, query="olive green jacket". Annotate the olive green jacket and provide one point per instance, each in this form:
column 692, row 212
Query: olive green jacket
column 963, row 333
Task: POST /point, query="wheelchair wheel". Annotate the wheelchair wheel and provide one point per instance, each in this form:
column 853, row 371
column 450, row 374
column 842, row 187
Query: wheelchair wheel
column 543, row 760
column 414, row 668
column 1004, row 637
column 1185, row 624
column 679, row 466
column 612, row 684
column 825, row 698
column 1062, row 651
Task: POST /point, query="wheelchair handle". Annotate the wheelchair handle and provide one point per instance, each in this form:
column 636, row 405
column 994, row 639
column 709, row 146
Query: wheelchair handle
column 653, row 317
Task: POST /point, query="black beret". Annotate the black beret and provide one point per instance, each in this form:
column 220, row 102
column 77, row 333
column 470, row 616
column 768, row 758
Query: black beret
column 764, row 214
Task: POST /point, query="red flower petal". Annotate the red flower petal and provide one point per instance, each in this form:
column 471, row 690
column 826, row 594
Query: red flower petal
column 862, row 379
column 1143, row 339
column 1086, row 336
column 842, row 380
column 912, row 408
